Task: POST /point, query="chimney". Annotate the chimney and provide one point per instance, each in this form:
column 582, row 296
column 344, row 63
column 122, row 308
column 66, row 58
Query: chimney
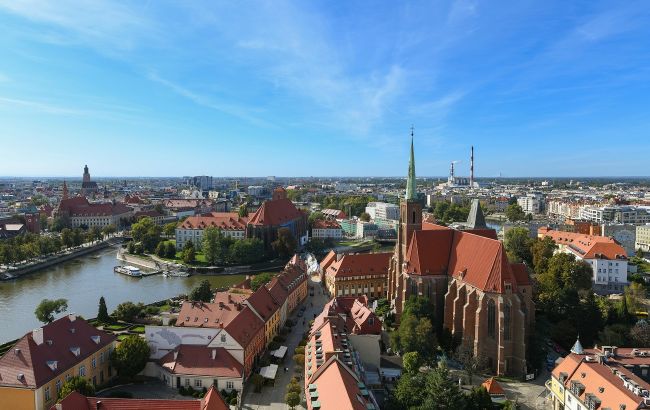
column 214, row 354
column 72, row 317
column 98, row 404
column 175, row 354
column 37, row 335
column 471, row 168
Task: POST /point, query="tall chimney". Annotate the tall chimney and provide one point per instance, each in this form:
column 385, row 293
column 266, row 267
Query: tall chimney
column 471, row 169
column 214, row 353
column 37, row 335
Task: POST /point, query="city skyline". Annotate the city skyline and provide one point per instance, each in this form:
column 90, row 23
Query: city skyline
column 324, row 89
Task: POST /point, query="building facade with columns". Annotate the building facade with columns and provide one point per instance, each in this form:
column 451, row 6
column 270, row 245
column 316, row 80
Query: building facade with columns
column 474, row 291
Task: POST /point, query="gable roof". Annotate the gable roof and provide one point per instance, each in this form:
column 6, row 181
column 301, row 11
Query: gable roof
column 586, row 246
column 275, row 212
column 198, row 360
column 328, row 260
column 226, row 221
column 66, row 342
column 360, row 264
column 245, row 326
column 493, row 387
column 263, row 303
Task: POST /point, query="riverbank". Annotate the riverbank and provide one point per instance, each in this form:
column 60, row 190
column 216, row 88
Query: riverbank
column 58, row 259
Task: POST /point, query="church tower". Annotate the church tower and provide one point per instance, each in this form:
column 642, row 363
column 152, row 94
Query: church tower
column 86, row 177
column 410, row 221
column 65, row 191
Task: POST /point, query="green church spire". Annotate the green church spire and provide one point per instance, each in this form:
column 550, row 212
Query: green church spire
column 411, row 193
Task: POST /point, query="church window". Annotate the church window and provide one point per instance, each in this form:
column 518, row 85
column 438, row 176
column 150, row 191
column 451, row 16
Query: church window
column 414, row 288
column 507, row 313
column 491, row 319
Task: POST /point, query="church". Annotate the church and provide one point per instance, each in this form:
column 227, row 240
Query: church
column 474, row 291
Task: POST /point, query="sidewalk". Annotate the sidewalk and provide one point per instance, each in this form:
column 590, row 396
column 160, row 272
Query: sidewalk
column 272, row 397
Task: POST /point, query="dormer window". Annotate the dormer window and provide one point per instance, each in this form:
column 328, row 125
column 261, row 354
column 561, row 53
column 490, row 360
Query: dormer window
column 75, row 351
column 52, row 364
column 95, row 339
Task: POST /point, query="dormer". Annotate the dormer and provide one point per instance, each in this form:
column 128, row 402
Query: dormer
column 52, row 364
column 95, row 339
column 75, row 350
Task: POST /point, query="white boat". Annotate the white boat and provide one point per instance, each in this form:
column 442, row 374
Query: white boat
column 128, row 270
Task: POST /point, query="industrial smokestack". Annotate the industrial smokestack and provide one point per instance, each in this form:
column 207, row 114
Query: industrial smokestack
column 451, row 171
column 471, row 168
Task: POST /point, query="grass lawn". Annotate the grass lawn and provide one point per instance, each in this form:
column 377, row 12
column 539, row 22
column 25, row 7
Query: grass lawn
column 354, row 243
column 121, row 338
column 115, row 327
column 137, row 329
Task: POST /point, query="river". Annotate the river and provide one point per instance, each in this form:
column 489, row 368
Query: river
column 83, row 281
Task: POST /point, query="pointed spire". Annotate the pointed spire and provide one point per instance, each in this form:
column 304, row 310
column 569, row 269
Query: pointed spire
column 65, row 190
column 577, row 347
column 411, row 193
column 476, row 219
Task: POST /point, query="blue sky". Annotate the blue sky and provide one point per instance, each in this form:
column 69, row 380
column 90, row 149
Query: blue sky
column 313, row 88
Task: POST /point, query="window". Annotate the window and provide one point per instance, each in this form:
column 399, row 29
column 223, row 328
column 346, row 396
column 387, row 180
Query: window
column 198, row 383
column 82, row 371
column 187, row 382
column 57, row 386
column 230, row 385
column 94, row 363
column 491, row 318
column 48, row 396
column 223, row 338
column 101, row 357
column 506, row 321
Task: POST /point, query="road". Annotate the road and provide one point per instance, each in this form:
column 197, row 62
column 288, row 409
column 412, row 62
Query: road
column 272, row 397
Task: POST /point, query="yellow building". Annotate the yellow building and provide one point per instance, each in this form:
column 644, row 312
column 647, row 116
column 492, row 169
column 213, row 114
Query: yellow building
column 358, row 275
column 34, row 370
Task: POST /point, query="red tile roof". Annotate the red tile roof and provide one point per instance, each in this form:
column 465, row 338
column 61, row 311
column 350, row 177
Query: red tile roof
column 493, row 387
column 79, row 206
column 245, row 326
column 263, row 303
column 586, row 246
column 227, row 221
column 198, row 360
column 76, row 401
column 328, row 260
column 337, row 387
column 276, row 212
column 360, row 264
column 40, row 363
column 325, row 224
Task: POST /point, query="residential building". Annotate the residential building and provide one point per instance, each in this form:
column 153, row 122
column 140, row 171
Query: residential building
column 334, row 213
column 333, row 376
column 624, row 234
column 326, row 229
column 643, row 238
column 382, row 210
column 191, row 229
column 607, row 259
column 268, row 309
column 358, row 275
column 622, row 214
column 155, row 216
column 478, row 295
column 366, row 229
column 349, row 227
column 532, row 203
column 608, row 377
column 76, row 401
column 33, row 371
column 277, row 213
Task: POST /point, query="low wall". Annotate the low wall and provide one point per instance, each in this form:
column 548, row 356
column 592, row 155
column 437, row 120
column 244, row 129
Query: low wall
column 137, row 260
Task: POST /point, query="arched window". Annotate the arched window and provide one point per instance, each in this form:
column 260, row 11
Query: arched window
column 414, row 288
column 491, row 318
column 506, row 321
column 413, row 217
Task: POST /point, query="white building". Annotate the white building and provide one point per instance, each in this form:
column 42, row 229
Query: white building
column 643, row 238
column 532, row 203
column 382, row 210
column 622, row 214
column 326, row 229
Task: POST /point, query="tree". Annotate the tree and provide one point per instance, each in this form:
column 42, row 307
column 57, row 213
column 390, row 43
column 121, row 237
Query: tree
column 210, row 244
column 292, row 400
column 383, row 307
column 66, row 237
column 286, row 243
column 130, row 356
column 170, row 250
column 365, row 216
column 479, row 399
column 147, row 233
column 201, row 293
column 127, row 311
column 242, row 212
column 169, row 229
column 299, row 359
column 564, row 271
column 188, row 254
column 443, row 393
column 411, row 390
column 517, row 244
column 161, row 249
column 78, row 384
column 102, row 312
column 261, row 279
column 108, row 230
column 46, row 310
column 315, row 216
column 77, row 236
column 515, row 213
column 245, row 251
column 640, row 333
column 411, row 362
column 472, row 363
column 95, row 234
column 542, row 250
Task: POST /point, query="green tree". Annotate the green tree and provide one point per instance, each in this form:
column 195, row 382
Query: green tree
column 102, row 312
column 66, row 237
column 95, row 234
column 411, row 391
column 210, row 244
column 242, row 211
column 411, row 362
column 471, row 362
column 299, row 359
column 130, row 357
column 479, row 399
column 170, row 250
column 515, row 213
column 78, row 384
column 261, row 279
column 109, row 230
column 245, row 251
column 640, row 333
column 169, row 229
column 161, row 249
column 77, row 236
column 315, row 216
column 292, row 400
column 46, row 310
column 127, row 311
column 147, row 233
column 365, row 216
column 542, row 251
column 286, row 243
column 443, row 393
column 565, row 271
column 202, row 292
column 518, row 244
column 189, row 253
column 383, row 307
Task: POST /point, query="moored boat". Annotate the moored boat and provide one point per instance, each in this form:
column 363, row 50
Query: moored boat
column 128, row 270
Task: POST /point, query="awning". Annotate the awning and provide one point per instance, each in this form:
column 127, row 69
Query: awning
column 280, row 352
column 269, row 371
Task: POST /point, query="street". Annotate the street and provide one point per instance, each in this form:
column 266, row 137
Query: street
column 272, row 397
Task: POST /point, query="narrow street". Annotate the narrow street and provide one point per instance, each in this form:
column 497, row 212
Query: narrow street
column 272, row 397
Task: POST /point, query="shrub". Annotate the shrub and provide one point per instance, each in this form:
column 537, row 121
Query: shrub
column 233, row 401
